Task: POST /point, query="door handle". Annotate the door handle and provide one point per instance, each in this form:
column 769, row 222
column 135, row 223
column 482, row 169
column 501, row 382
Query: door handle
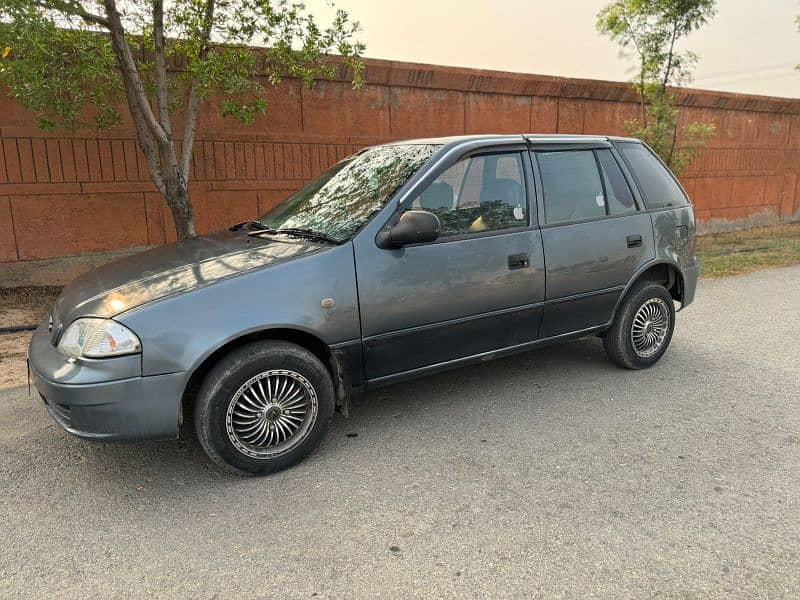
column 634, row 241
column 518, row 261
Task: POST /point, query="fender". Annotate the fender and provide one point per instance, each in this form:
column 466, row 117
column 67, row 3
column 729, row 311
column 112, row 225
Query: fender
column 637, row 275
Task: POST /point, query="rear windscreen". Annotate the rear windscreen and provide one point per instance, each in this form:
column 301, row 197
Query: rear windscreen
column 656, row 183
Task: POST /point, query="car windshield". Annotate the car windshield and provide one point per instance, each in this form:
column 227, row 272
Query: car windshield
column 341, row 200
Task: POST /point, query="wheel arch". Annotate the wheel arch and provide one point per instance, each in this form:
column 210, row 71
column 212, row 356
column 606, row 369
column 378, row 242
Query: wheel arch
column 663, row 272
column 305, row 339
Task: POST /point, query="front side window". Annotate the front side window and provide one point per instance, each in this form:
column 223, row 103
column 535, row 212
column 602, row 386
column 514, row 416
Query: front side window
column 572, row 186
column 341, row 200
column 656, row 183
column 478, row 194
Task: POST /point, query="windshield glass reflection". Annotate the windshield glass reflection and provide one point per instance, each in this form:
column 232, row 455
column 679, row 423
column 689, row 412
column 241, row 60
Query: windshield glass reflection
column 341, row 200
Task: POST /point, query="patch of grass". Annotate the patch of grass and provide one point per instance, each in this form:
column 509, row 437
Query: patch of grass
column 738, row 252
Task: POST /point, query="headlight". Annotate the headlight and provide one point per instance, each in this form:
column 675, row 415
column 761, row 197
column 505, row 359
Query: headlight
column 98, row 338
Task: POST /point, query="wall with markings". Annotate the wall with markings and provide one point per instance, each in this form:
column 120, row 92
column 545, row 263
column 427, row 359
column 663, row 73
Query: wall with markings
column 72, row 200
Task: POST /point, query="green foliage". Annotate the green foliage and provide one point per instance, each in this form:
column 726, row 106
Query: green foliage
column 67, row 77
column 63, row 67
column 652, row 29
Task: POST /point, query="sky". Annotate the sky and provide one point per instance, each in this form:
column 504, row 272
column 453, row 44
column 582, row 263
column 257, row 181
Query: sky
column 750, row 46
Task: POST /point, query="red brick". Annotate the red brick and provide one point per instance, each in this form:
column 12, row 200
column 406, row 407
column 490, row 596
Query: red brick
column 277, row 157
column 67, row 159
column 81, row 160
column 118, row 158
column 608, row 118
column 39, row 148
column 544, row 115
column 711, row 192
column 331, row 108
column 93, row 160
column 3, row 175
column 570, row 115
column 425, row 113
column 218, row 210
column 26, row 160
column 129, row 151
column 11, row 156
column 788, row 200
column 106, row 160
column 269, row 199
column 8, row 246
column 774, row 190
column 747, row 191
column 64, row 224
column 489, row 113
column 54, row 161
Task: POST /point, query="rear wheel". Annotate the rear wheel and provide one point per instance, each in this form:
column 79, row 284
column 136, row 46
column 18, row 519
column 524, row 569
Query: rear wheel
column 643, row 327
column 264, row 407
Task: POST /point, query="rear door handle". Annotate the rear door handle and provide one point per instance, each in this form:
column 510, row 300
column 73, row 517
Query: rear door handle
column 634, row 241
column 518, row 261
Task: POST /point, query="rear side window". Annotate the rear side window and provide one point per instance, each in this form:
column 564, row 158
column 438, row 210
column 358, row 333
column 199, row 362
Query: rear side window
column 572, row 186
column 656, row 183
column 618, row 194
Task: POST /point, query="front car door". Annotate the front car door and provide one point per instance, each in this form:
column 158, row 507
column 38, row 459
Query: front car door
column 478, row 288
column 594, row 234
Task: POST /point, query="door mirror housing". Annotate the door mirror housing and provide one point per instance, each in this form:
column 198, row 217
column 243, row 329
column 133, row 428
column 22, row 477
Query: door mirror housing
column 414, row 227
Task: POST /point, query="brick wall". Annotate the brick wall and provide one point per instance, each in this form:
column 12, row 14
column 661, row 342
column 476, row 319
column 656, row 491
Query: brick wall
column 71, row 200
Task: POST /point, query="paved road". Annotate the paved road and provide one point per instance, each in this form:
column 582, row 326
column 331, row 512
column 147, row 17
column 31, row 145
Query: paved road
column 549, row 474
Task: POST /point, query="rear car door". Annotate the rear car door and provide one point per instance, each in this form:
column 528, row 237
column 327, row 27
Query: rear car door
column 594, row 234
column 478, row 288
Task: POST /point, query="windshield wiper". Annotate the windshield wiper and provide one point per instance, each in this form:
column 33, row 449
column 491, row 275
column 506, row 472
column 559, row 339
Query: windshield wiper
column 299, row 232
column 257, row 225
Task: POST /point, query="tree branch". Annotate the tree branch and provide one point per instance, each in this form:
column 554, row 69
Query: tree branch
column 130, row 75
column 162, row 89
column 193, row 106
column 72, row 8
column 668, row 68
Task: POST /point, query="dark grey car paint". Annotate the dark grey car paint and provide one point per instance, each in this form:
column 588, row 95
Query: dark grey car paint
column 422, row 308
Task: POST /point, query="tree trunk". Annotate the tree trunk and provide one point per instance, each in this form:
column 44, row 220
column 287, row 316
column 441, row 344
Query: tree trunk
column 176, row 195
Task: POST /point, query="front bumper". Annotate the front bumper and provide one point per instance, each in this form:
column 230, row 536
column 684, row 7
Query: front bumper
column 102, row 399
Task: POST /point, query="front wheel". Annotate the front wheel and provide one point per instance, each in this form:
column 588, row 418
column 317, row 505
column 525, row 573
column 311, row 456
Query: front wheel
column 643, row 327
column 264, row 407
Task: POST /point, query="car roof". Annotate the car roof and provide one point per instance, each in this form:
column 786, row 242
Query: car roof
column 511, row 138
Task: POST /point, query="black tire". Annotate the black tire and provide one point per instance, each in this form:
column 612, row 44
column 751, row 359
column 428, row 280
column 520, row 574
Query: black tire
column 235, row 370
column 618, row 341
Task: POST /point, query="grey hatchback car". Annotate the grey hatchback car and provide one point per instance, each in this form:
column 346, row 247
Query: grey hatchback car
column 405, row 259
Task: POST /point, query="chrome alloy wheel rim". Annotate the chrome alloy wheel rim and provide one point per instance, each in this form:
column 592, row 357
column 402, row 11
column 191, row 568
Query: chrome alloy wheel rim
column 271, row 413
column 650, row 327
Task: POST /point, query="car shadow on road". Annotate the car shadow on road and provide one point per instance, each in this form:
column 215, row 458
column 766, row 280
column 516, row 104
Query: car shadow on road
column 444, row 397
column 497, row 394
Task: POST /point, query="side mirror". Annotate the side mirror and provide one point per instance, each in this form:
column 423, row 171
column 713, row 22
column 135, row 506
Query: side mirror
column 414, row 227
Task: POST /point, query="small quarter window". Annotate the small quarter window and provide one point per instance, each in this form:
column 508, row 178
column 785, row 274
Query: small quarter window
column 477, row 194
column 656, row 183
column 618, row 194
column 572, row 186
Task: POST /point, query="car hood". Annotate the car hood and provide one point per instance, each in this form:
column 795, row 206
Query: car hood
column 166, row 270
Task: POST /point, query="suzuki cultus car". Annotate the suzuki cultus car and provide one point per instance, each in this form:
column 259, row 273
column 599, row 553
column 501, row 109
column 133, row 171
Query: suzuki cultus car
column 405, row 259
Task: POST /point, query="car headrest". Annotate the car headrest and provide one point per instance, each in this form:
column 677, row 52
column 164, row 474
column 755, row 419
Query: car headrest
column 506, row 190
column 438, row 196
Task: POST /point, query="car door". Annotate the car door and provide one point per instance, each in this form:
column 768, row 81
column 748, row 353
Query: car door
column 478, row 288
column 595, row 237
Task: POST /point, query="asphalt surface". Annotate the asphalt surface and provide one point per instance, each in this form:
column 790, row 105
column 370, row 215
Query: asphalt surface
column 550, row 474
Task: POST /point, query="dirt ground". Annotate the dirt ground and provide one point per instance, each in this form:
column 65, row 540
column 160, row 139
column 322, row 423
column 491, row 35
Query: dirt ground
column 13, row 347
